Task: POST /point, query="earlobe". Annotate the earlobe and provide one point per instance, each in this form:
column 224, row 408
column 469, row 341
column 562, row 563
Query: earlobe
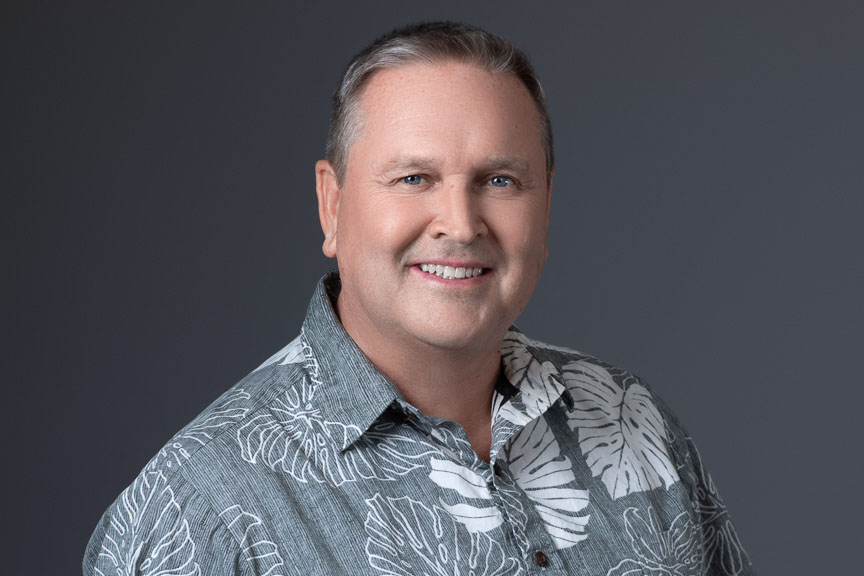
column 327, row 189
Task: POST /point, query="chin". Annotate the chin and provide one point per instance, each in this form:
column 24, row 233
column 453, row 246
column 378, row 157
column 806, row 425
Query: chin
column 466, row 338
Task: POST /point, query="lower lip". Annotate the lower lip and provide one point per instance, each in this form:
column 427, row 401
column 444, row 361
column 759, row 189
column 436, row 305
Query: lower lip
column 473, row 281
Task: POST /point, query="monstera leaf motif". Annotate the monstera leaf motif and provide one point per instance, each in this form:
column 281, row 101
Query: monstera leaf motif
column 621, row 433
column 722, row 546
column 674, row 552
column 150, row 535
column 230, row 409
column 407, row 538
column 537, row 382
column 470, row 485
column 294, row 438
column 538, row 468
column 258, row 549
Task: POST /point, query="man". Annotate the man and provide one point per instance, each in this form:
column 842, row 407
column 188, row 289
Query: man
column 409, row 429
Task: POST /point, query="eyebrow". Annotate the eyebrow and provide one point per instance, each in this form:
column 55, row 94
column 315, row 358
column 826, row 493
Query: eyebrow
column 409, row 163
column 513, row 163
column 420, row 163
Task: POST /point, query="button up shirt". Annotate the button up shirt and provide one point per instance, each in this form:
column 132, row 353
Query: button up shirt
column 315, row 464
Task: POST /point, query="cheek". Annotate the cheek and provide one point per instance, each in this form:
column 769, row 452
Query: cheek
column 360, row 223
column 396, row 224
column 523, row 231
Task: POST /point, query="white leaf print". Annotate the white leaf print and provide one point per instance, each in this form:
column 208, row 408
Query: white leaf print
column 230, row 410
column 150, row 537
column 473, row 518
column 172, row 454
column 722, row 546
column 460, row 450
column 621, row 433
column 407, row 538
column 466, row 482
column 536, row 382
column 290, row 354
column 294, row 438
column 258, row 549
column 674, row 552
column 536, row 464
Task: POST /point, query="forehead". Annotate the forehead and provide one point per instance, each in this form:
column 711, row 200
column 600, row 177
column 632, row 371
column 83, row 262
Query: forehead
column 459, row 107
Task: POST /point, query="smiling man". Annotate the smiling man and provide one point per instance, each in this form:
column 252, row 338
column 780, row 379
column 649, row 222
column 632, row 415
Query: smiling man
column 409, row 428
column 447, row 175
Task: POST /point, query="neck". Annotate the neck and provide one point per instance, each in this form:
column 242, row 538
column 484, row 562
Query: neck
column 455, row 385
column 445, row 385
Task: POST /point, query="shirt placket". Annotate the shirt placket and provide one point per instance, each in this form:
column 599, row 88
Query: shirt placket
column 541, row 556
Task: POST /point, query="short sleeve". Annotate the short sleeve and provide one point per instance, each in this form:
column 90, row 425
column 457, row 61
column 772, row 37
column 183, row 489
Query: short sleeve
column 161, row 525
column 724, row 554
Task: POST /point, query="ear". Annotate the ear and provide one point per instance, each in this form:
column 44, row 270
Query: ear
column 549, row 204
column 327, row 189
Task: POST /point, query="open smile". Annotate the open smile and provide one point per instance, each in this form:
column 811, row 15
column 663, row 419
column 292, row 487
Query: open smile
column 452, row 272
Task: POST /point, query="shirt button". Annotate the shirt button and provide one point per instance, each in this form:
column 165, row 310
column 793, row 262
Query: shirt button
column 540, row 559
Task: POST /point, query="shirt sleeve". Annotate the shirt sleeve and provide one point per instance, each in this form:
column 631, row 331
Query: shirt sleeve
column 724, row 554
column 161, row 525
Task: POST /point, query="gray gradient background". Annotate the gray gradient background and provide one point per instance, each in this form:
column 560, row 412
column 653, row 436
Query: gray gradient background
column 160, row 235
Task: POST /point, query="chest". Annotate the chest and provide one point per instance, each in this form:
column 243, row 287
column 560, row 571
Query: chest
column 408, row 500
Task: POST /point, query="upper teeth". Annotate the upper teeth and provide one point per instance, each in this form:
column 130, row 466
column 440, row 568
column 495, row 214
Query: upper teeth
column 450, row 272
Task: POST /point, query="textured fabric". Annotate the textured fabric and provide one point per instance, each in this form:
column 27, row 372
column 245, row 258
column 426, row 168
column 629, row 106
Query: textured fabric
column 314, row 464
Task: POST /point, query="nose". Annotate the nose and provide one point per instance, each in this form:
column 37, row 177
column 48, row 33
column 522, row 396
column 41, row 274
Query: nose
column 457, row 214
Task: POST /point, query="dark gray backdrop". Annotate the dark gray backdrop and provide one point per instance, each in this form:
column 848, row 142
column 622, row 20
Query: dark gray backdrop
column 160, row 236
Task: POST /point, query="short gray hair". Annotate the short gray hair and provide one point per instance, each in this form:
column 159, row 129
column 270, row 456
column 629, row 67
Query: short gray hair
column 428, row 43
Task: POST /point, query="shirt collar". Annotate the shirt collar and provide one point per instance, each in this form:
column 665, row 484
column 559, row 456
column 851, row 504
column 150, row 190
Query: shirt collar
column 538, row 386
column 530, row 369
column 351, row 391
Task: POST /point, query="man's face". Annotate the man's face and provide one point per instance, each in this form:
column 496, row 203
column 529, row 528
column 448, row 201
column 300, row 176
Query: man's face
column 448, row 170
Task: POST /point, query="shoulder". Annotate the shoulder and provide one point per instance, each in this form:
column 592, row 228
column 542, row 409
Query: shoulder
column 242, row 401
column 173, row 499
column 634, row 443
column 603, row 394
column 567, row 364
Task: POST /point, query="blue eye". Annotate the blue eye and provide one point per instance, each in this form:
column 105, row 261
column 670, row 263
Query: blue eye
column 500, row 181
column 412, row 180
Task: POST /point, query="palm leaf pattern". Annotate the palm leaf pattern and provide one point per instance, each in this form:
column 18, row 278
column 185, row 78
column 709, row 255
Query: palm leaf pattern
column 231, row 409
column 538, row 383
column 673, row 552
column 261, row 552
column 407, row 538
column 621, row 432
column 294, row 438
column 468, row 484
column 546, row 477
column 723, row 548
column 150, row 536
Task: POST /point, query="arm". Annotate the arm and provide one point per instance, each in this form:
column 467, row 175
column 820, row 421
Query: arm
column 161, row 526
column 723, row 553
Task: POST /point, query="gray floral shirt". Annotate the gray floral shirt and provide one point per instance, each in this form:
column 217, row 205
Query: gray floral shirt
column 314, row 464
